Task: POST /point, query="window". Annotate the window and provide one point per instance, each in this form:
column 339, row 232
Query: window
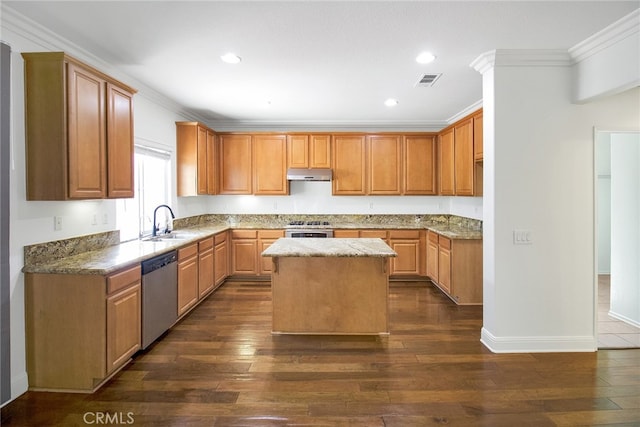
column 134, row 217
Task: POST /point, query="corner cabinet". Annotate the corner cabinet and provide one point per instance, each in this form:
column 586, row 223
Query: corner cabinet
column 246, row 250
column 80, row 329
column 455, row 266
column 79, row 130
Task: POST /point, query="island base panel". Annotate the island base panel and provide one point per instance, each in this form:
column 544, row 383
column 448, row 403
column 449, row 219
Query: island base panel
column 330, row 295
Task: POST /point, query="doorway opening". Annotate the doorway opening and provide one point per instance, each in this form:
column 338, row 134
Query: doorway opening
column 617, row 166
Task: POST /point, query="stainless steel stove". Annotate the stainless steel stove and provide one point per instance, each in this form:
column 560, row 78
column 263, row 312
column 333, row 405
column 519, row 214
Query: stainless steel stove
column 309, row 229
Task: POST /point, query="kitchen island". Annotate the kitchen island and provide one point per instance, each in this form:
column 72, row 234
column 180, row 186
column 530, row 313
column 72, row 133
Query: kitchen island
column 330, row 286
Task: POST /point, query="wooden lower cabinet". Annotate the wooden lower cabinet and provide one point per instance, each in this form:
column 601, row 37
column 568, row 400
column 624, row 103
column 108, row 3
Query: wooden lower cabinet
column 206, row 266
column 77, row 342
column 187, row 278
column 408, row 245
column 455, row 266
column 246, row 250
column 221, row 258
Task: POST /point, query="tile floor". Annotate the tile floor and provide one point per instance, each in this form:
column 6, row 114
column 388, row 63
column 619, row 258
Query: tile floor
column 613, row 333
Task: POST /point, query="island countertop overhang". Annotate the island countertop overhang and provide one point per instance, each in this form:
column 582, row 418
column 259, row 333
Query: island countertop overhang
column 329, row 247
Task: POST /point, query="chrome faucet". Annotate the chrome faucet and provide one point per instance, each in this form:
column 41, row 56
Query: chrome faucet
column 155, row 211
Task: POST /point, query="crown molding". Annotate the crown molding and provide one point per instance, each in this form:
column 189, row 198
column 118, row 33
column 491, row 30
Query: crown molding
column 627, row 26
column 470, row 109
column 327, row 125
column 521, row 58
column 49, row 41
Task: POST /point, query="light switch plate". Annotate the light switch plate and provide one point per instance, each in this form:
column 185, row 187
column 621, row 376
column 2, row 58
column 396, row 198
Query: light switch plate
column 522, row 237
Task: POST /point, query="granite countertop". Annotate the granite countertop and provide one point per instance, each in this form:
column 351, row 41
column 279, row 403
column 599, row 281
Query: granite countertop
column 89, row 255
column 320, row 247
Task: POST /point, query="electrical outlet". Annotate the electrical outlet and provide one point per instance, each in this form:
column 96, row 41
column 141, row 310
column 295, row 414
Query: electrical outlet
column 57, row 223
column 94, row 219
column 522, row 237
column 105, row 218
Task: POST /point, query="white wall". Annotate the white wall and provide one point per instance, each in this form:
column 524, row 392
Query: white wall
column 625, row 230
column 539, row 176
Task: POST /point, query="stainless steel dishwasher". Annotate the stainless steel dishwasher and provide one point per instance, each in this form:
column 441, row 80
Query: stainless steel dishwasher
column 159, row 296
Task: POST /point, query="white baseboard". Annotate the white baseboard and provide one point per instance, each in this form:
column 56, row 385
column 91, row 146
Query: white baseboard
column 624, row 319
column 538, row 344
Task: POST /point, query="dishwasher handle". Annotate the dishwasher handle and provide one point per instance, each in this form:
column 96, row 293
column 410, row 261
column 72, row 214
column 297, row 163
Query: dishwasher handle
column 158, row 262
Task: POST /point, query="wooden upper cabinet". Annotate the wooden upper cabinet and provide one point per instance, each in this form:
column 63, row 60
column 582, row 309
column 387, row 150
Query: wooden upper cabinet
column 446, row 157
column 87, row 134
column 319, row 151
column 478, row 143
column 235, row 164
column 79, row 130
column 119, row 142
column 384, row 162
column 309, row 151
column 196, row 151
column 270, row 165
column 419, row 173
column 298, row 151
column 212, row 163
column 464, row 164
column 349, row 165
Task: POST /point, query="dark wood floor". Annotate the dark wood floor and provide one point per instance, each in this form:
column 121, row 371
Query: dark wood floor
column 221, row 367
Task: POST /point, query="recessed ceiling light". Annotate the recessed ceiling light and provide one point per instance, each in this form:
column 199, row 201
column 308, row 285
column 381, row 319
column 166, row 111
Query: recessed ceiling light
column 425, row 58
column 391, row 102
column 231, row 58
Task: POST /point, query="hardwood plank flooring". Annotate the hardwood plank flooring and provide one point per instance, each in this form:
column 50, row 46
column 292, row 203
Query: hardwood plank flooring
column 220, row 366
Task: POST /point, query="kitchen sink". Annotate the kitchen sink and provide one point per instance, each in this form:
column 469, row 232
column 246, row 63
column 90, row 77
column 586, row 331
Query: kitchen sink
column 166, row 237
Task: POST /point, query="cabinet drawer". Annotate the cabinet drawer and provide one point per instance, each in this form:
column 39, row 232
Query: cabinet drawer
column 342, row 234
column 244, row 234
column 271, row 234
column 372, row 234
column 444, row 242
column 404, row 234
column 187, row 251
column 205, row 244
column 220, row 237
column 433, row 237
column 123, row 279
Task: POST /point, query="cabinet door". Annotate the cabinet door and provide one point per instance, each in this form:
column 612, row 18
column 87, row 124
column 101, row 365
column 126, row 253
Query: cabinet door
column 123, row 326
column 266, row 239
column 212, row 163
column 319, row 151
column 406, row 243
column 342, row 234
column 205, row 267
column 432, row 256
column 384, row 164
column 187, row 278
column 349, row 154
column 298, row 151
column 119, row 142
column 444, row 264
column 201, row 159
column 221, row 262
column 447, row 158
column 87, row 167
column 235, row 166
column 463, row 163
column 243, row 256
column 419, row 173
column 478, row 142
column 270, row 165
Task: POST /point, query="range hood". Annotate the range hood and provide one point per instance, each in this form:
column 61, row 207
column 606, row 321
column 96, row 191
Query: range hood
column 301, row 174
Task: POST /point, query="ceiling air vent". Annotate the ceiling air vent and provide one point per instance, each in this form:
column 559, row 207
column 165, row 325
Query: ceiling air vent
column 427, row 80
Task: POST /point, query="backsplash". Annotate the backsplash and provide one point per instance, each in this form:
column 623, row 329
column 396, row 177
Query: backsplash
column 42, row 252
